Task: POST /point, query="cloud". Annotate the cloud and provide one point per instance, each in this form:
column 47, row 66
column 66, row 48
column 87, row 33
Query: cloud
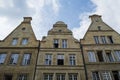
column 110, row 15
column 12, row 11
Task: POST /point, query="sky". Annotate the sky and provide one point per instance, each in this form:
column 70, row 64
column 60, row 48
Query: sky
column 45, row 13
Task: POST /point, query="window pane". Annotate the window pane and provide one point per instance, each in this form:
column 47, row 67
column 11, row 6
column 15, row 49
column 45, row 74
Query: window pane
column 106, row 75
column 109, row 57
column 110, row 39
column 23, row 77
column 48, row 76
column 14, row 59
column 56, row 43
column 24, row 41
column 116, row 75
column 117, row 55
column 26, row 59
column 103, row 39
column 91, row 56
column 2, row 57
column 72, row 59
column 64, row 43
column 60, row 76
column 8, row 77
column 14, row 41
column 96, row 38
column 72, row 76
column 48, row 59
column 60, row 59
column 95, row 76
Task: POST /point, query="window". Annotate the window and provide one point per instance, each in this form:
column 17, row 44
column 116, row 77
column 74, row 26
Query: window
column 91, row 56
column 100, row 56
column 110, row 40
column 72, row 76
column 8, row 77
column 48, row 76
column 60, row 76
column 99, row 27
column 116, row 75
column 117, row 55
column 96, row 38
column 26, row 59
column 48, row 59
column 23, row 77
column 56, row 43
column 60, row 59
column 14, row 58
column 64, row 43
column 24, row 41
column 109, row 57
column 14, row 41
column 72, row 59
column 95, row 76
column 2, row 57
column 103, row 39
column 106, row 75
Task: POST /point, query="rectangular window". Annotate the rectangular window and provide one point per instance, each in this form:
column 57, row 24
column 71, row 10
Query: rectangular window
column 60, row 59
column 56, row 43
column 26, row 59
column 110, row 40
column 91, row 56
column 100, row 56
column 117, row 55
column 24, row 41
column 64, row 43
column 60, row 76
column 2, row 57
column 96, row 38
column 72, row 59
column 103, row 39
column 48, row 59
column 8, row 77
column 106, row 75
column 23, row 77
column 48, row 76
column 73, row 76
column 109, row 56
column 14, row 41
column 14, row 58
column 116, row 75
column 95, row 76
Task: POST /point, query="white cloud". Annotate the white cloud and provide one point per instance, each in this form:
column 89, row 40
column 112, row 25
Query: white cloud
column 40, row 10
column 109, row 9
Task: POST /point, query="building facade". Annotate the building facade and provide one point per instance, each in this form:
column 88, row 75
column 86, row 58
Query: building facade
column 59, row 56
column 18, row 53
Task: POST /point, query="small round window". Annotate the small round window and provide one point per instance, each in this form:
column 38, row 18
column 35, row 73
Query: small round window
column 23, row 29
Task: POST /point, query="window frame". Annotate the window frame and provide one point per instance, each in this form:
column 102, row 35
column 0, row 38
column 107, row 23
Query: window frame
column 48, row 59
column 96, row 76
column 96, row 39
column 91, row 56
column 64, row 43
column 48, row 76
column 22, row 76
column 60, row 57
column 56, row 43
column 14, row 59
column 72, row 59
column 26, row 59
column 24, row 41
column 73, row 76
column 3, row 57
column 14, row 41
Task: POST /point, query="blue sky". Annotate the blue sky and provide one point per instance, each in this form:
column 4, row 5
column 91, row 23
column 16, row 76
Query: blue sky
column 75, row 13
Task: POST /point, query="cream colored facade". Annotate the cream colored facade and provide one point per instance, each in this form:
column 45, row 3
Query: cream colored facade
column 59, row 56
column 18, row 53
column 55, row 69
column 101, row 46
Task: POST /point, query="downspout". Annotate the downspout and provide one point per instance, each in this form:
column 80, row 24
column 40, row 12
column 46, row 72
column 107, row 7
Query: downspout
column 81, row 47
column 36, row 60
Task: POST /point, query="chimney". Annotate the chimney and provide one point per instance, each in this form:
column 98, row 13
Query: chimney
column 95, row 18
column 27, row 19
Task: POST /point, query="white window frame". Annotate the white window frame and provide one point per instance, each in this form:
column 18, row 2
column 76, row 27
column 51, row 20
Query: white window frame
column 72, row 59
column 14, row 41
column 60, row 76
column 14, row 58
column 96, row 38
column 106, row 75
column 23, row 77
column 117, row 55
column 48, row 76
column 48, row 59
column 26, row 59
column 73, row 76
column 2, row 57
column 91, row 56
column 64, row 43
column 24, row 41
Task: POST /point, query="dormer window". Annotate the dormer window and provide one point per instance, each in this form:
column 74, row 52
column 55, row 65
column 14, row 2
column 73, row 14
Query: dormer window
column 14, row 41
column 56, row 43
column 24, row 41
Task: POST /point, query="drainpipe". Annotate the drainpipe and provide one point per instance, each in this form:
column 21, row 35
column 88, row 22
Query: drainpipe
column 81, row 47
column 36, row 60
